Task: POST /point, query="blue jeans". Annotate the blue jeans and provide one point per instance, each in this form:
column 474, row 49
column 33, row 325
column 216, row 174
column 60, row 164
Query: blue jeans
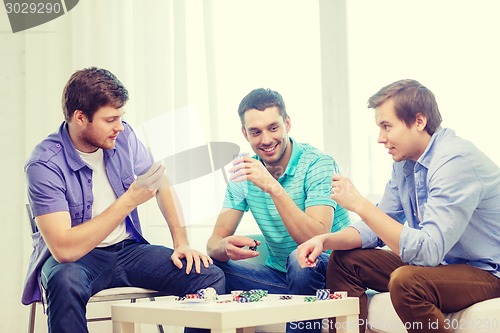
column 69, row 286
column 243, row 275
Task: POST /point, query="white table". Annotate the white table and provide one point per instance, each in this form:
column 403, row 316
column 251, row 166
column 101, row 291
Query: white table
column 227, row 317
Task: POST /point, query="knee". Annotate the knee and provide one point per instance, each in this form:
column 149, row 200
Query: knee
column 292, row 262
column 341, row 260
column 293, row 267
column 217, row 273
column 217, row 278
column 68, row 279
column 296, row 273
column 405, row 287
column 402, row 279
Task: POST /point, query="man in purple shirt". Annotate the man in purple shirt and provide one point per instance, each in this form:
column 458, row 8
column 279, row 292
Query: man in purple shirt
column 440, row 217
column 85, row 182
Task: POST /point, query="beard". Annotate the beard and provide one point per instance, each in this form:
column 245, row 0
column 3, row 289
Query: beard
column 94, row 142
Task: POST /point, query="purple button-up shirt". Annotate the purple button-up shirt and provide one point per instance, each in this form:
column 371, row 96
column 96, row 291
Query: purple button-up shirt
column 58, row 180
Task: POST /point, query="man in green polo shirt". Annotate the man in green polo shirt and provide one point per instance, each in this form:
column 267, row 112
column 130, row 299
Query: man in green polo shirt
column 287, row 187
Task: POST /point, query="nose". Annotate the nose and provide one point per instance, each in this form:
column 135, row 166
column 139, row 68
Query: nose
column 382, row 138
column 267, row 138
column 119, row 127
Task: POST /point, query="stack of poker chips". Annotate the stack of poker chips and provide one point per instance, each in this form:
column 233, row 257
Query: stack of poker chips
column 253, row 295
column 323, row 294
column 339, row 295
column 285, row 297
column 253, row 248
column 208, row 294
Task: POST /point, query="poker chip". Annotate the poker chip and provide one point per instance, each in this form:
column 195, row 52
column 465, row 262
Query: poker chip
column 338, row 295
column 243, row 299
column 285, row 297
column 323, row 294
column 254, row 295
column 310, row 299
column 253, row 248
column 210, row 294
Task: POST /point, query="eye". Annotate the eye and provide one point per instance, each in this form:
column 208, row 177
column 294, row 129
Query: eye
column 112, row 120
column 274, row 128
column 254, row 133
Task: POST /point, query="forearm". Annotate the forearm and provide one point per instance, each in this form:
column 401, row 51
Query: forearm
column 217, row 249
column 299, row 224
column 345, row 239
column 386, row 228
column 72, row 243
column 172, row 212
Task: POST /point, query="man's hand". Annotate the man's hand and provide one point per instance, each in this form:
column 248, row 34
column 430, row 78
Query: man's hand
column 345, row 193
column 308, row 252
column 146, row 185
column 152, row 179
column 247, row 168
column 234, row 247
column 192, row 256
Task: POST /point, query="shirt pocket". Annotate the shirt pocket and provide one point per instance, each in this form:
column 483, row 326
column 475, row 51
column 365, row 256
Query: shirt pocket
column 76, row 213
column 127, row 181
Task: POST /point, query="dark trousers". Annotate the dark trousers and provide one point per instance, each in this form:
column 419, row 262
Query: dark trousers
column 420, row 295
column 69, row 286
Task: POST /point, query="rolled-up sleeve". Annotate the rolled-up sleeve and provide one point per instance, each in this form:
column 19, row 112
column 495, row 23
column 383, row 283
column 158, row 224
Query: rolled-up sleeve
column 46, row 189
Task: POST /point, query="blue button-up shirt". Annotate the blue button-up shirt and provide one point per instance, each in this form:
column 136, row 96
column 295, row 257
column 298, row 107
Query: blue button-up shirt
column 58, row 180
column 450, row 199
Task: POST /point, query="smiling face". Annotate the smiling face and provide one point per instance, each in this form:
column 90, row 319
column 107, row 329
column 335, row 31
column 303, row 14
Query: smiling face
column 101, row 132
column 267, row 133
column 403, row 142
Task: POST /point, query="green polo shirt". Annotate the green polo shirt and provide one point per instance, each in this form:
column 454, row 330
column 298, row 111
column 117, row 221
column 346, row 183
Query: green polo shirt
column 307, row 180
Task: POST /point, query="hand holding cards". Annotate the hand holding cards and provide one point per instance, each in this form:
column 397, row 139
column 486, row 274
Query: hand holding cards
column 152, row 178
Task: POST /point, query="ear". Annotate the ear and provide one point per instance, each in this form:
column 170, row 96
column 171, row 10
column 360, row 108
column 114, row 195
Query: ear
column 244, row 131
column 288, row 124
column 420, row 122
column 79, row 118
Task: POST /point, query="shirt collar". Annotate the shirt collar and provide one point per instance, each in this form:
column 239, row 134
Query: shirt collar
column 294, row 158
column 425, row 159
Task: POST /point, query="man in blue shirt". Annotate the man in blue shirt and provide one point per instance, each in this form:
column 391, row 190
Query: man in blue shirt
column 85, row 182
column 446, row 256
column 286, row 186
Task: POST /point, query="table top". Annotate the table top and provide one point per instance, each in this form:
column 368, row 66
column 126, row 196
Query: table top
column 227, row 314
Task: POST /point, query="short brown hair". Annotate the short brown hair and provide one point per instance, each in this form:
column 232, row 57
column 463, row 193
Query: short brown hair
column 261, row 99
column 409, row 97
column 91, row 88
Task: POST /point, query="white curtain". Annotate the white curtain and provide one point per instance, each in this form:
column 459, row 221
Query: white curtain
column 179, row 60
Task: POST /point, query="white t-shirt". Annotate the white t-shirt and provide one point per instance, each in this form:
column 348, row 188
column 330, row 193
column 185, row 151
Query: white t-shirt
column 103, row 194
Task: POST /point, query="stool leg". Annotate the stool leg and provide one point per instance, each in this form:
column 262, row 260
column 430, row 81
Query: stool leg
column 31, row 323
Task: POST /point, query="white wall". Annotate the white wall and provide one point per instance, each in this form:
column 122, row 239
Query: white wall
column 448, row 45
column 15, row 236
